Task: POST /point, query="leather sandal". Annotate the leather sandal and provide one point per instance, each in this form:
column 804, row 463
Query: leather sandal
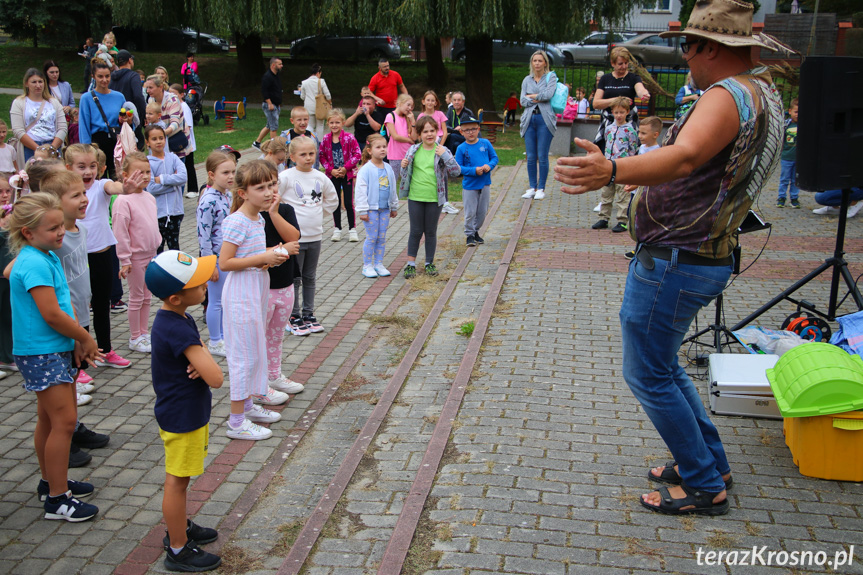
column 701, row 502
column 670, row 476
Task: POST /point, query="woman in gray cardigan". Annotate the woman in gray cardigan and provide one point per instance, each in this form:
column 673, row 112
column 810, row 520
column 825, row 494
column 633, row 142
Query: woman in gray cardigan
column 538, row 121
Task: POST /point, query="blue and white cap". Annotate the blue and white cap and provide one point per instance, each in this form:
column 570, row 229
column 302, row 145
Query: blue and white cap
column 172, row 271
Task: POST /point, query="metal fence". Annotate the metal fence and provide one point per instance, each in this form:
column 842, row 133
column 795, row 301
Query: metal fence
column 671, row 80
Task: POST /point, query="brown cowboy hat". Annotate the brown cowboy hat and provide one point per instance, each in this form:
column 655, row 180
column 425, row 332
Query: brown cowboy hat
column 727, row 22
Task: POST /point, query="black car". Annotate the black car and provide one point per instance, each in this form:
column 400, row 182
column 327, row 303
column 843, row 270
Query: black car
column 347, row 47
column 180, row 40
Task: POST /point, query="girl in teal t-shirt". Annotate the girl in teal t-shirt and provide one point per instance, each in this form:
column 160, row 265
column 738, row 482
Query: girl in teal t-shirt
column 425, row 170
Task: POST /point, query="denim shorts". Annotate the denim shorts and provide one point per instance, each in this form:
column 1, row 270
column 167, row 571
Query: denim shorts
column 43, row 371
column 272, row 117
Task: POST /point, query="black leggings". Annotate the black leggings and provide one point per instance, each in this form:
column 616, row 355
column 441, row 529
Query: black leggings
column 423, row 218
column 101, row 272
column 106, row 143
column 169, row 227
column 346, row 187
column 191, row 174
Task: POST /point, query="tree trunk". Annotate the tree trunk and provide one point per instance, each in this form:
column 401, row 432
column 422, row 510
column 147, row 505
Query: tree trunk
column 478, row 71
column 250, row 59
column 437, row 74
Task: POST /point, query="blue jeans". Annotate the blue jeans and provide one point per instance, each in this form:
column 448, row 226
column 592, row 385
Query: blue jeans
column 833, row 198
column 658, row 307
column 537, row 141
column 786, row 179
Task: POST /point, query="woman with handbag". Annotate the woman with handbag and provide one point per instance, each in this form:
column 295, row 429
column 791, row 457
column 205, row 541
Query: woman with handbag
column 99, row 116
column 317, row 100
column 538, row 121
column 37, row 117
column 172, row 115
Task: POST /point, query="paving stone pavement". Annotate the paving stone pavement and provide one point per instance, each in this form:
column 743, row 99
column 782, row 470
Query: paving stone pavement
column 546, row 458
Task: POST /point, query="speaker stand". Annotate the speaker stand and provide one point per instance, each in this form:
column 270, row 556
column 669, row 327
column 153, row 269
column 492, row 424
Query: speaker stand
column 836, row 263
column 717, row 328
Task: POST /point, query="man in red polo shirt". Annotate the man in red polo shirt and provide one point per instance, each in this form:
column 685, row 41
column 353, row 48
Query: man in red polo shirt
column 386, row 86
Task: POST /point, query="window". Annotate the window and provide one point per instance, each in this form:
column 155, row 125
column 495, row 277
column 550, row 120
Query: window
column 656, row 6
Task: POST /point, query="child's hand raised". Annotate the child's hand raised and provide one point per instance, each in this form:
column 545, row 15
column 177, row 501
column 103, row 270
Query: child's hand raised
column 439, row 150
column 134, row 181
column 274, row 207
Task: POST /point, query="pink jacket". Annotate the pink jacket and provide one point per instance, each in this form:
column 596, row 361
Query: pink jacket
column 136, row 226
column 350, row 151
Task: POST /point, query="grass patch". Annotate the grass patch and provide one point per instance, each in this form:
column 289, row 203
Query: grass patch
column 421, row 557
column 236, row 560
column 721, row 539
column 347, row 391
column 288, row 533
column 466, row 329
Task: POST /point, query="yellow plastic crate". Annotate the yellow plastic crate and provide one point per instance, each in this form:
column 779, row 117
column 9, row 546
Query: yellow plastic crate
column 827, row 446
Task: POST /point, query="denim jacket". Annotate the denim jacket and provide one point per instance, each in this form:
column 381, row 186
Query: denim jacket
column 445, row 167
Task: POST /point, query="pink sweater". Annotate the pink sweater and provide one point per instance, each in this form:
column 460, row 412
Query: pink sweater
column 136, row 226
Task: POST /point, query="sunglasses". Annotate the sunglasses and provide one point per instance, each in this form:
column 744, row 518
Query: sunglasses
column 700, row 44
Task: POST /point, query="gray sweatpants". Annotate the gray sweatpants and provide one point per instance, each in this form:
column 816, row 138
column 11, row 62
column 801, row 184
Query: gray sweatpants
column 475, row 209
column 307, row 261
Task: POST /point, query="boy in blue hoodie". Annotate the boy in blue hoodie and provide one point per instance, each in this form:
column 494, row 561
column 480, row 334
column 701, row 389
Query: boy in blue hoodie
column 476, row 158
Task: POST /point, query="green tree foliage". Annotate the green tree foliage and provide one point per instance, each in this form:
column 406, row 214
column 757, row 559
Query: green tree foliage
column 55, row 22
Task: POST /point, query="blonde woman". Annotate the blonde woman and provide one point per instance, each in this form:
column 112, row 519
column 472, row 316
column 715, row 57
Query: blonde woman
column 538, row 122
column 37, row 117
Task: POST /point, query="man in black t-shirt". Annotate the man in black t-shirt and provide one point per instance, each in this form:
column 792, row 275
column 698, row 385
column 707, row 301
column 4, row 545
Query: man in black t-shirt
column 271, row 93
column 367, row 120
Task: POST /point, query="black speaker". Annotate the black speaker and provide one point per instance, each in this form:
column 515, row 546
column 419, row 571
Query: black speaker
column 830, row 124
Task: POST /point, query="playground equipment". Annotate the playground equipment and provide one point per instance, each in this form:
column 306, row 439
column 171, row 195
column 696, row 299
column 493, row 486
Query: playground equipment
column 223, row 111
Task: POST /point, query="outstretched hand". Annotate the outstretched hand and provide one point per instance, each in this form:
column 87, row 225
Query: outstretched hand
column 134, row 181
column 580, row 174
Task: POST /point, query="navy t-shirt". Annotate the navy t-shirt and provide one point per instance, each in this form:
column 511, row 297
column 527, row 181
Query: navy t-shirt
column 281, row 276
column 182, row 404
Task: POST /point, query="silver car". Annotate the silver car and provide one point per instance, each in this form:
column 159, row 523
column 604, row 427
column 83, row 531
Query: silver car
column 506, row 51
column 652, row 50
column 593, row 49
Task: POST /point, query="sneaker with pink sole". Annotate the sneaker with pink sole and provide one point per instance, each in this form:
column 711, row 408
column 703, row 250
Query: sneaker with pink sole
column 114, row 360
column 84, row 377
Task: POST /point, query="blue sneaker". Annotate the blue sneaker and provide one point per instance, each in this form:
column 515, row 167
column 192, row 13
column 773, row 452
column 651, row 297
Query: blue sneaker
column 69, row 509
column 78, row 489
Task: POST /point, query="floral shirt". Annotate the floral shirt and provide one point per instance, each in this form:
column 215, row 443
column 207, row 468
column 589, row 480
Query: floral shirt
column 213, row 208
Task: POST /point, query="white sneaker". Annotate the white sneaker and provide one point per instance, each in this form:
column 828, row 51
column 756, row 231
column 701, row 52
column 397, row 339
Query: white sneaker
column 83, row 388
column 273, row 397
column 250, row 431
column 352, row 236
column 217, row 348
column 381, row 270
column 337, row 235
column 370, row 272
column 528, row 194
column 449, row 208
column 140, row 344
column 83, row 399
column 828, row 211
column 853, row 210
column 191, row 194
column 598, row 207
column 4, row 374
column 259, row 414
column 539, row 194
column 284, row 384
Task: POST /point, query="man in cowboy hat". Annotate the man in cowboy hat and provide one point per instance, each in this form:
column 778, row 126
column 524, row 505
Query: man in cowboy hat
column 697, row 189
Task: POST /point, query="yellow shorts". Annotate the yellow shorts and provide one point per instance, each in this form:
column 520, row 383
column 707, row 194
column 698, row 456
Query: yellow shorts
column 185, row 452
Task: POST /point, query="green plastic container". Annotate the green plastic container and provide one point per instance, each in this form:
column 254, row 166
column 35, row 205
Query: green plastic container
column 817, row 379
